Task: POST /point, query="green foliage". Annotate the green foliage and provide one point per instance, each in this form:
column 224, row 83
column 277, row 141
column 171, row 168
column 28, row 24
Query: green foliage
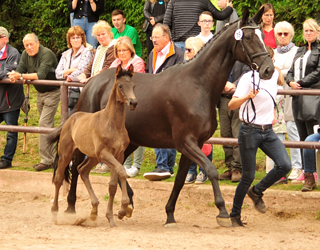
column 49, row 19
column 292, row 11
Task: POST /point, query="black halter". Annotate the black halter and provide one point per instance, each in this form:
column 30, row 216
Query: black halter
column 253, row 65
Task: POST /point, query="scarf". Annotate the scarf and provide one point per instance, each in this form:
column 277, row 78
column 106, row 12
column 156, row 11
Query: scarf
column 285, row 49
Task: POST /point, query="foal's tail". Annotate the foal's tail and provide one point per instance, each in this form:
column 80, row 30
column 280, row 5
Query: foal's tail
column 52, row 138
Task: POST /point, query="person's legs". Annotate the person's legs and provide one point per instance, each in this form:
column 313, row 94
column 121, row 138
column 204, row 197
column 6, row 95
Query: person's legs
column 138, row 157
column 249, row 139
column 10, row 118
column 90, row 38
column 149, row 42
column 274, row 148
column 309, row 156
column 269, row 161
column 47, row 104
column 235, row 126
column 127, row 163
column 294, row 152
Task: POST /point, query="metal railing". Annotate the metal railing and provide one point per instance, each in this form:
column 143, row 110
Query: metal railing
column 213, row 140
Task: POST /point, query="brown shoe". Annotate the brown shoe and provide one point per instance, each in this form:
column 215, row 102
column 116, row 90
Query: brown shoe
column 235, row 176
column 225, row 176
column 41, row 167
column 309, row 182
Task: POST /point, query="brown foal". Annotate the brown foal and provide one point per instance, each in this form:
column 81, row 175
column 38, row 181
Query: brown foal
column 102, row 137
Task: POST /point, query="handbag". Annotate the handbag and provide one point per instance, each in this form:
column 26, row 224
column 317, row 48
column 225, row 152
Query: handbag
column 73, row 97
column 308, row 108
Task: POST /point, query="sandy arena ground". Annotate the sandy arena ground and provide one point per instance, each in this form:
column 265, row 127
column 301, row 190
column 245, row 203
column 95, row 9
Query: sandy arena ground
column 26, row 221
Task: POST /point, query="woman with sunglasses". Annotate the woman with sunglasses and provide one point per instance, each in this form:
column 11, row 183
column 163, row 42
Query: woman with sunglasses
column 267, row 24
column 125, row 56
column 305, row 72
column 283, row 58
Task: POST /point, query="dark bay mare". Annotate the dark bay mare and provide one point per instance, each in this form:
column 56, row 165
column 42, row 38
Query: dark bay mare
column 177, row 107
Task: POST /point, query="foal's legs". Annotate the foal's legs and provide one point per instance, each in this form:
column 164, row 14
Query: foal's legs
column 63, row 163
column 84, row 170
column 119, row 172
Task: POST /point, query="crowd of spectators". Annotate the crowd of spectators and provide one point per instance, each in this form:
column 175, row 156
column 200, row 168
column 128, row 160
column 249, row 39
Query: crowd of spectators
column 175, row 31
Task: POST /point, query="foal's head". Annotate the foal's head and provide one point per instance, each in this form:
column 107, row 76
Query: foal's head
column 125, row 85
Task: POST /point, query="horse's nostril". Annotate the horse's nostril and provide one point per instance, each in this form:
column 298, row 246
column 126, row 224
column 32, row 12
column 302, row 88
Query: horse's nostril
column 133, row 103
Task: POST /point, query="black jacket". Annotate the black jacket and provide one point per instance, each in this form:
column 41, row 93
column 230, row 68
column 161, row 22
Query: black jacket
column 174, row 56
column 11, row 95
column 312, row 71
column 92, row 16
column 148, row 10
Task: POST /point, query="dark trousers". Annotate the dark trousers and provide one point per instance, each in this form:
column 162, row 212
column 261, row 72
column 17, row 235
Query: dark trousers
column 250, row 139
column 229, row 127
column 10, row 118
column 149, row 42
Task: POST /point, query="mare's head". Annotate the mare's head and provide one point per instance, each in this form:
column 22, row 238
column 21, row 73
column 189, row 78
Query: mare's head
column 125, row 86
column 249, row 46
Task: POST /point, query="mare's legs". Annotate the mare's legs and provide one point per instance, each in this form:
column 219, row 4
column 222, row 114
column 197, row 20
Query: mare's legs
column 72, row 196
column 84, row 170
column 184, row 165
column 192, row 151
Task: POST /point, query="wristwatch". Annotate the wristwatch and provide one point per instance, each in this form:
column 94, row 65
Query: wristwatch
column 21, row 77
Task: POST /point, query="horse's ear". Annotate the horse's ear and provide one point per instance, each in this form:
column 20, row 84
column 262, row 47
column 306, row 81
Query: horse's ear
column 131, row 70
column 257, row 17
column 118, row 71
column 245, row 16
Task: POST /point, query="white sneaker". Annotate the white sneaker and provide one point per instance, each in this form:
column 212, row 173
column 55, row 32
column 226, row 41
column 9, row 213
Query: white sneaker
column 295, row 173
column 101, row 168
column 132, row 172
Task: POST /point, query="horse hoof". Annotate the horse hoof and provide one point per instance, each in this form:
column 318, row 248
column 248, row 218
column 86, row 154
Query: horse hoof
column 55, row 217
column 129, row 211
column 70, row 211
column 93, row 217
column 120, row 216
column 224, row 222
column 171, row 225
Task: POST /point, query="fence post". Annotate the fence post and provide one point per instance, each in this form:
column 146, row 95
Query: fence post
column 64, row 102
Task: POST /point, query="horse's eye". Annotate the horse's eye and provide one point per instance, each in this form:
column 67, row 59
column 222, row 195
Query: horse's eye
column 247, row 38
column 120, row 86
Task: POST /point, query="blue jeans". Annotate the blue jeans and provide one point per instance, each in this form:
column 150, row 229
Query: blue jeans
column 166, row 158
column 10, row 118
column 87, row 28
column 250, row 139
column 295, row 153
column 181, row 45
column 309, row 157
column 193, row 166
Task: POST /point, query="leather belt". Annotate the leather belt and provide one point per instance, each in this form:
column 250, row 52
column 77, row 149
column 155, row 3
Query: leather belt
column 263, row 127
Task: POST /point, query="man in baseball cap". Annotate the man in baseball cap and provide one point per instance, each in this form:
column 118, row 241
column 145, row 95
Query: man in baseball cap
column 11, row 96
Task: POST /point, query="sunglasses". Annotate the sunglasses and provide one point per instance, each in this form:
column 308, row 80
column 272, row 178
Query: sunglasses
column 283, row 33
column 189, row 50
